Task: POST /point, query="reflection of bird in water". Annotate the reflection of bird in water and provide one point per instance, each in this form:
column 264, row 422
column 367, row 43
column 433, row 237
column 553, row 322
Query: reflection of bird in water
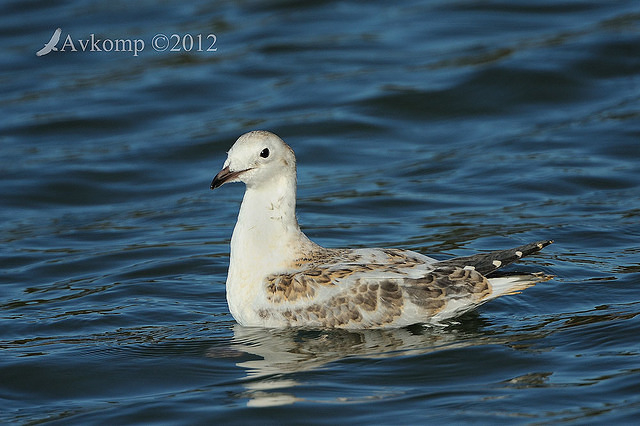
column 51, row 44
column 280, row 278
column 282, row 353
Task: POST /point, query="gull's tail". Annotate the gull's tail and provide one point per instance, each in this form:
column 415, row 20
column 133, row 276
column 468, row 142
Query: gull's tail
column 514, row 283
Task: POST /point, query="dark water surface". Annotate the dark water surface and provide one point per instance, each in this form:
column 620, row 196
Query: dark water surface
column 448, row 127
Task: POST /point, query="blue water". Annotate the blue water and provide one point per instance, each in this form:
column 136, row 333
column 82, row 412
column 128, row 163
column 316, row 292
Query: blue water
column 447, row 127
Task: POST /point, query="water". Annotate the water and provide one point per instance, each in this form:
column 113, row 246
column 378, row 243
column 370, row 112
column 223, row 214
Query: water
column 443, row 127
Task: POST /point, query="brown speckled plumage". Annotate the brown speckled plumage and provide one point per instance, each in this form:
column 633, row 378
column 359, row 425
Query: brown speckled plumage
column 301, row 297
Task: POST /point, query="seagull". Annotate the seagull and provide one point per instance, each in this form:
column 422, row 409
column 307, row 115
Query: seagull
column 51, row 44
column 279, row 278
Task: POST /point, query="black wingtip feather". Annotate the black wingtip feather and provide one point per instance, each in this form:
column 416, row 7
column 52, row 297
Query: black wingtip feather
column 486, row 263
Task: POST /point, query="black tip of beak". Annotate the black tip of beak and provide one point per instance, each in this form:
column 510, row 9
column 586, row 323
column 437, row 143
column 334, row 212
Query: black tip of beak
column 219, row 179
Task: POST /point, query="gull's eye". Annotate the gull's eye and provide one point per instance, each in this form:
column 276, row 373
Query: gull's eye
column 264, row 153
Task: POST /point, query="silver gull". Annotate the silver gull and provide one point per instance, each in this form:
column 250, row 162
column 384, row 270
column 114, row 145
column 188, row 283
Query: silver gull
column 279, row 278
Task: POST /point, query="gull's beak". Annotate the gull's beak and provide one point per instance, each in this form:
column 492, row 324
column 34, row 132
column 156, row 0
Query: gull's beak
column 224, row 176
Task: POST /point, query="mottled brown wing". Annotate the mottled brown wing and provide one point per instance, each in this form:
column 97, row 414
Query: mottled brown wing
column 357, row 298
column 445, row 284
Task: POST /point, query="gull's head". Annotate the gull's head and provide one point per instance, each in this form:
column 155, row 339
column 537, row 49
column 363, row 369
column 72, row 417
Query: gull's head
column 256, row 158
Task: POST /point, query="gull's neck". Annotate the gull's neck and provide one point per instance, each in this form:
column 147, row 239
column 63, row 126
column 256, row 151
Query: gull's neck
column 267, row 237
